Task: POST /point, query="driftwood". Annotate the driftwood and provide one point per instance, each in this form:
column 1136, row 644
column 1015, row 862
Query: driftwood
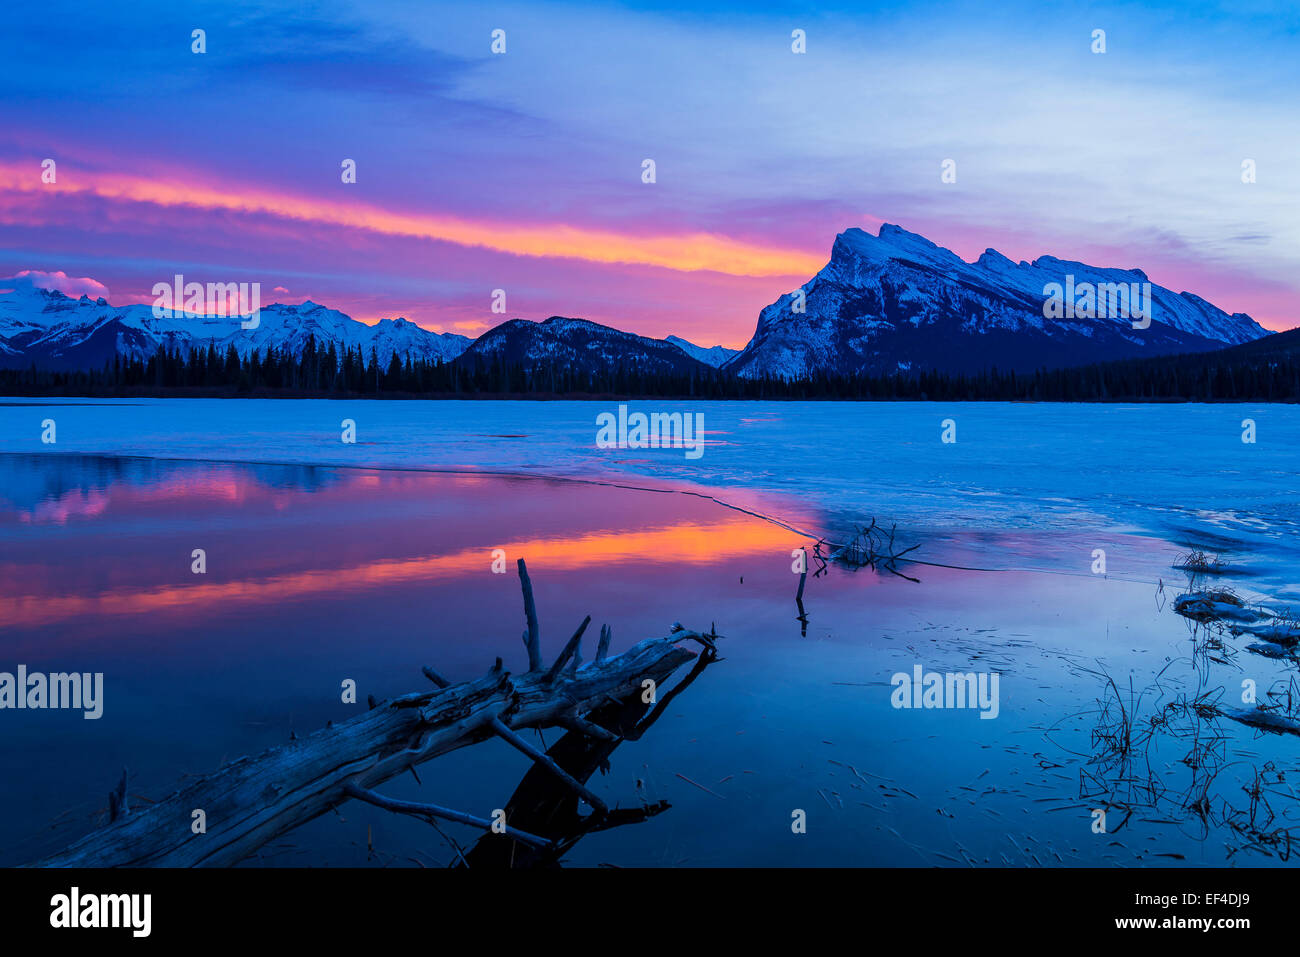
column 254, row 800
column 868, row 547
column 543, row 805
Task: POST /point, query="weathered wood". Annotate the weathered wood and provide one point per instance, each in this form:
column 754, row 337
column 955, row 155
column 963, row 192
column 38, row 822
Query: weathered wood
column 592, row 730
column 117, row 803
column 540, row 759
column 545, row 806
column 436, row 678
column 255, row 800
column 533, row 636
column 426, row 811
column 570, row 650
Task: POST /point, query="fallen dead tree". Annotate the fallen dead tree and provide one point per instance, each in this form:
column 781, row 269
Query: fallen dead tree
column 254, row 800
column 543, row 805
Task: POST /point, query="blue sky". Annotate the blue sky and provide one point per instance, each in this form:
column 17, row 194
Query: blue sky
column 470, row 163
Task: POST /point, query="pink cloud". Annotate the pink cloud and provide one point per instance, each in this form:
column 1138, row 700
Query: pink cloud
column 60, row 281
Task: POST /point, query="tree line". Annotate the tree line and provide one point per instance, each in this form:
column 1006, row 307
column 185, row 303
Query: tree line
column 327, row 371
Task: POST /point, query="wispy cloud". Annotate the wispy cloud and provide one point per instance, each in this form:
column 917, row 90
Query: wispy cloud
column 522, row 171
column 683, row 252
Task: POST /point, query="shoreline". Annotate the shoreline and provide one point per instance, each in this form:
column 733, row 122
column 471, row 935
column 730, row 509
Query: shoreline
column 625, row 397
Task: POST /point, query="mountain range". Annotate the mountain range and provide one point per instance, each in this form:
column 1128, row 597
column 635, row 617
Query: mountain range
column 893, row 302
column 898, row 302
column 53, row 331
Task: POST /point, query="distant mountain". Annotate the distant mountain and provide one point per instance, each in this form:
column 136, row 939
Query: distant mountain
column 883, row 304
column 712, row 356
column 898, row 302
column 579, row 345
column 1265, row 369
column 57, row 332
column 1271, row 348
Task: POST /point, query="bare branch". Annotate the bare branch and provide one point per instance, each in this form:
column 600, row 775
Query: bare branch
column 434, row 810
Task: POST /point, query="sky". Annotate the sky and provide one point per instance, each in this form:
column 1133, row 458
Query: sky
column 523, row 171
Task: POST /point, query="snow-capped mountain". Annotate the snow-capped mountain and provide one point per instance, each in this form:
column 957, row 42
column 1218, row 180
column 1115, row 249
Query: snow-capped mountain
column 57, row 332
column 579, row 345
column 711, row 356
column 898, row 302
column 883, row 304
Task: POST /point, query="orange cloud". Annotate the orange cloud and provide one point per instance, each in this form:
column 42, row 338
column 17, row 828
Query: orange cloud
column 686, row 252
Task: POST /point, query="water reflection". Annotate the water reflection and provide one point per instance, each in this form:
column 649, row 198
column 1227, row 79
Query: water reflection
column 316, row 575
column 35, row 489
column 202, row 497
column 544, row 806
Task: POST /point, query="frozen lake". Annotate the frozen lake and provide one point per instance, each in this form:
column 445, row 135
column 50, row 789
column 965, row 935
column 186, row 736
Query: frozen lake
column 1023, row 486
column 315, row 575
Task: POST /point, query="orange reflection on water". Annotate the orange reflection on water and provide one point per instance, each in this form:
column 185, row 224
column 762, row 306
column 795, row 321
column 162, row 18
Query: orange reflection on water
column 686, row 542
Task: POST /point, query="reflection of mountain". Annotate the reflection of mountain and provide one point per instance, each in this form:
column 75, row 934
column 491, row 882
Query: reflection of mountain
column 41, row 488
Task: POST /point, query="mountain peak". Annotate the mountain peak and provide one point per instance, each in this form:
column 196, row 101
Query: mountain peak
column 897, row 301
column 712, row 355
column 890, row 242
column 892, row 231
column 992, row 259
column 580, row 345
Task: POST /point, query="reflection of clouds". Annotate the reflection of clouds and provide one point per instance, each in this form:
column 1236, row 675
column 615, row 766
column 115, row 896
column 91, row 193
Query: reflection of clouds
column 676, row 544
column 78, row 503
column 52, row 489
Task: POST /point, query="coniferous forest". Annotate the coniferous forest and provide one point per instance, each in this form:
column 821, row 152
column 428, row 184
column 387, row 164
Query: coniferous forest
column 1264, row 371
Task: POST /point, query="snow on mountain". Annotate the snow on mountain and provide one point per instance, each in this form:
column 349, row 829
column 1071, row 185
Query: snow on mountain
column 402, row 336
column 896, row 302
column 285, row 326
column 711, row 356
column 577, row 344
column 56, row 331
